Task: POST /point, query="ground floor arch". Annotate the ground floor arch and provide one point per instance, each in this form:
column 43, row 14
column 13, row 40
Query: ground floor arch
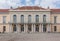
column 30, row 28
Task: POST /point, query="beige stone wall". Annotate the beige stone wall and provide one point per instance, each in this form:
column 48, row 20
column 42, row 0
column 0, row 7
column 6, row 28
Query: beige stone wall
column 7, row 27
column 33, row 14
column 9, row 19
column 58, row 22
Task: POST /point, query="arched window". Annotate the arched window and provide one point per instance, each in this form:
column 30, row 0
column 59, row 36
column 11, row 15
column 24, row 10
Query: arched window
column 14, row 18
column 29, row 19
column 44, row 18
column 22, row 18
column 37, row 18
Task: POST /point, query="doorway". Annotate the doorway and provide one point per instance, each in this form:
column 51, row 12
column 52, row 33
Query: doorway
column 44, row 28
column 55, row 28
column 29, row 28
column 22, row 28
column 37, row 28
column 14, row 28
column 4, row 29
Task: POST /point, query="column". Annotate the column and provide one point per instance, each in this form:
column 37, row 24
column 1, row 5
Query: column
column 26, row 28
column 42, row 28
column 48, row 28
column 39, row 28
column 18, row 28
column 32, row 28
column 11, row 28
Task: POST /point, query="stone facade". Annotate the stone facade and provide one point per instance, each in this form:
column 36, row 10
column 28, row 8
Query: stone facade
column 33, row 26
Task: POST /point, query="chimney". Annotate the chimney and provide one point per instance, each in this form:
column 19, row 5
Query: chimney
column 11, row 7
column 48, row 7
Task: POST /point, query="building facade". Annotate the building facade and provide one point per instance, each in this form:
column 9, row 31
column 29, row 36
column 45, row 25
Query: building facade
column 29, row 19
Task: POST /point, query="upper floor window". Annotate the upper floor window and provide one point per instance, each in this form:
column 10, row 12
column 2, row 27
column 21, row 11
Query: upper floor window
column 44, row 18
column 37, row 18
column 22, row 18
column 4, row 19
column 29, row 19
column 55, row 17
column 14, row 18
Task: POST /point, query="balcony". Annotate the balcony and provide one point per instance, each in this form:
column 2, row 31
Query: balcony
column 31, row 23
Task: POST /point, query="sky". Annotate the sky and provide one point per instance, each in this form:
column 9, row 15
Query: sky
column 5, row 4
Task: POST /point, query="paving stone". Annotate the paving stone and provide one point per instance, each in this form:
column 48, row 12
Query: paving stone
column 30, row 37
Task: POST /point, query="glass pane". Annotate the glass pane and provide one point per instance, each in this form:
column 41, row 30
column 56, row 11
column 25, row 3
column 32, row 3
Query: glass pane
column 4, row 19
column 29, row 19
column 14, row 18
column 22, row 19
column 44, row 18
column 37, row 18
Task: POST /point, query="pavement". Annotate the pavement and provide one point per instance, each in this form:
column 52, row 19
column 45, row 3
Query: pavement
column 30, row 37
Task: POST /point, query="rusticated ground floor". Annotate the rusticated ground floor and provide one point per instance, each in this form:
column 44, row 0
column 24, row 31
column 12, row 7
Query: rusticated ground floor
column 29, row 28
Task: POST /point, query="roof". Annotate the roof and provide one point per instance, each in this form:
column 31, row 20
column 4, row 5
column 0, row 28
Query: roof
column 29, row 8
column 4, row 10
column 55, row 10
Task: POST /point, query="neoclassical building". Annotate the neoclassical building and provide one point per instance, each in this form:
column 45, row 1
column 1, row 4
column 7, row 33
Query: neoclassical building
column 29, row 19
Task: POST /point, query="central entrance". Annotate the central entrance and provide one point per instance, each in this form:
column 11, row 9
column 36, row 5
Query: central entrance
column 44, row 28
column 37, row 28
column 29, row 28
column 22, row 28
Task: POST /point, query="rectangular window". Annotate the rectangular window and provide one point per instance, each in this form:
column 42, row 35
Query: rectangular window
column 55, row 28
column 4, row 19
column 55, row 17
column 4, row 29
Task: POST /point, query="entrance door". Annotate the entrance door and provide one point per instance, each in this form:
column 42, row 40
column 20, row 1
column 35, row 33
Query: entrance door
column 44, row 28
column 37, row 28
column 4, row 29
column 55, row 28
column 22, row 28
column 14, row 28
column 29, row 28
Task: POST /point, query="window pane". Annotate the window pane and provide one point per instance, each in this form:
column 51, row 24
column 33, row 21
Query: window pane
column 29, row 19
column 44, row 18
column 22, row 19
column 4, row 19
column 14, row 19
column 55, row 19
column 37, row 18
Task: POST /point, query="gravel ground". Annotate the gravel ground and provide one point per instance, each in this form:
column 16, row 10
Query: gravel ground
column 30, row 37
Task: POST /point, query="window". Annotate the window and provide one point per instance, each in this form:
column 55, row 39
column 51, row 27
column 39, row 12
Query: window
column 22, row 18
column 55, row 28
column 44, row 18
column 14, row 18
column 37, row 18
column 55, row 17
column 4, row 19
column 4, row 29
column 29, row 19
